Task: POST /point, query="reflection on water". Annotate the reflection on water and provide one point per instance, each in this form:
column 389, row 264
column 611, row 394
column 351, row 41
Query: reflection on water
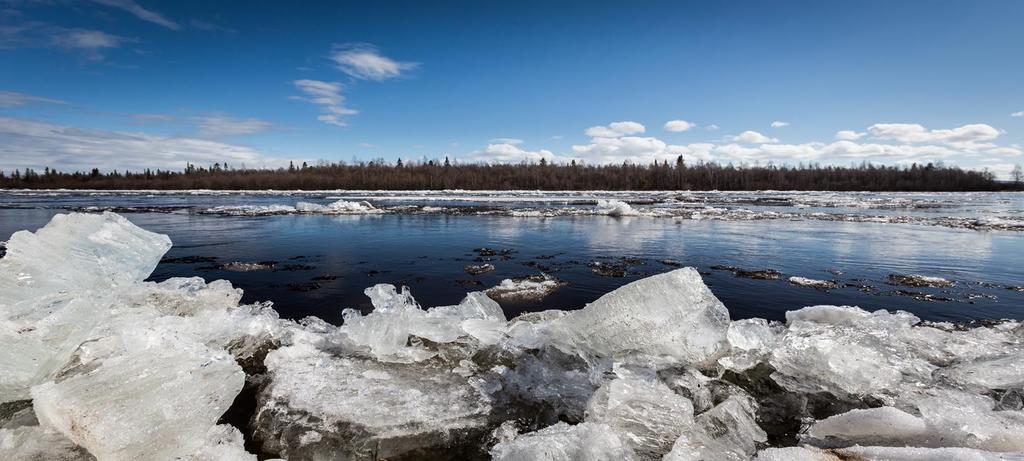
column 428, row 253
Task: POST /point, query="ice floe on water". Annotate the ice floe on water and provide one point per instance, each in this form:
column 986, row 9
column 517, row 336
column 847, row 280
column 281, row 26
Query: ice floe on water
column 978, row 211
column 96, row 363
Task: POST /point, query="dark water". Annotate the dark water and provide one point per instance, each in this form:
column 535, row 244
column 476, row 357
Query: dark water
column 428, row 252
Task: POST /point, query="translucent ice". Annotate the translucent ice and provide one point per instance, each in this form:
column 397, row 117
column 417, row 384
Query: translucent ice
column 562, row 442
column 143, row 394
column 672, row 314
column 727, row 432
column 35, row 443
column 318, row 405
column 645, row 412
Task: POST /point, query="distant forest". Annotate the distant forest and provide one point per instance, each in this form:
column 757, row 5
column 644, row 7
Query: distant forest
column 379, row 174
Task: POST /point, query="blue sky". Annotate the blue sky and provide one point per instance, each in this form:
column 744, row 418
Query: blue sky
column 140, row 83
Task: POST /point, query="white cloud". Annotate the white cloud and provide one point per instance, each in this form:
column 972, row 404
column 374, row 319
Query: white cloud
column 26, row 143
column 146, row 15
column 512, row 141
column 753, row 137
column 711, row 127
column 13, row 99
column 676, row 126
column 510, row 153
column 779, row 124
column 364, row 61
column 849, row 135
column 328, row 96
column 87, row 39
column 1007, row 151
column 1017, row 114
column 217, row 126
column 915, row 133
column 615, row 129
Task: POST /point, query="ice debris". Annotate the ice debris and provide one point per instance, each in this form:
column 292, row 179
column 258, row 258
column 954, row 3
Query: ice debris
column 532, row 288
column 814, row 283
column 118, row 368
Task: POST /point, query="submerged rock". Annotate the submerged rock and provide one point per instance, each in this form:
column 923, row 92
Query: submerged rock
column 919, row 281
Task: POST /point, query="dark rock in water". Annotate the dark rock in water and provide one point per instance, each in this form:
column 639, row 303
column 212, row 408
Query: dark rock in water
column 303, row 287
column 608, row 270
column 505, row 254
column 324, row 278
column 296, row 267
column 919, row 281
column 760, row 274
column 670, row 262
column 469, row 283
column 1015, row 288
column 545, row 257
column 920, row 296
column 188, row 260
column 765, row 274
column 539, row 266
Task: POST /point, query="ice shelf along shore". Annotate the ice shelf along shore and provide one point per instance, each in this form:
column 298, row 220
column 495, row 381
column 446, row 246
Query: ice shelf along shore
column 97, row 363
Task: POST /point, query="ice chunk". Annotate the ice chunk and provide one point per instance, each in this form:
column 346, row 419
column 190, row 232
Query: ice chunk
column 795, row 454
column 612, row 207
column 915, row 280
column 872, row 426
column 752, row 340
column 75, row 252
column 56, row 285
column 956, row 418
column 531, row 288
column 727, row 432
column 1000, row 372
column 562, row 442
column 147, row 393
column 337, row 207
column 223, row 443
column 35, row 443
column 318, row 405
column 672, row 314
column 923, row 454
column 397, row 317
column 647, row 414
column 813, row 283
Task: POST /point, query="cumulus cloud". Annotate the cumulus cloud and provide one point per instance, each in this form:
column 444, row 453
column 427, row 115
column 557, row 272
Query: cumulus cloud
column 27, row 143
column 779, row 124
column 915, row 133
column 753, row 137
column 364, row 61
column 849, row 135
column 615, row 129
column 510, row 153
column 1017, row 114
column 711, row 127
column 676, row 126
column 512, row 141
column 10, row 99
column 146, row 15
column 217, row 126
column 328, row 96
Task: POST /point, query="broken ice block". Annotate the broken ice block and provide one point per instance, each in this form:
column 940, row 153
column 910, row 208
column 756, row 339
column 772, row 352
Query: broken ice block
column 318, row 405
column 672, row 314
column 727, row 432
column 144, row 394
column 562, row 442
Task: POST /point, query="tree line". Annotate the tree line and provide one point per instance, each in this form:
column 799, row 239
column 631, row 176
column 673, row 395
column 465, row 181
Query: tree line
column 434, row 174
